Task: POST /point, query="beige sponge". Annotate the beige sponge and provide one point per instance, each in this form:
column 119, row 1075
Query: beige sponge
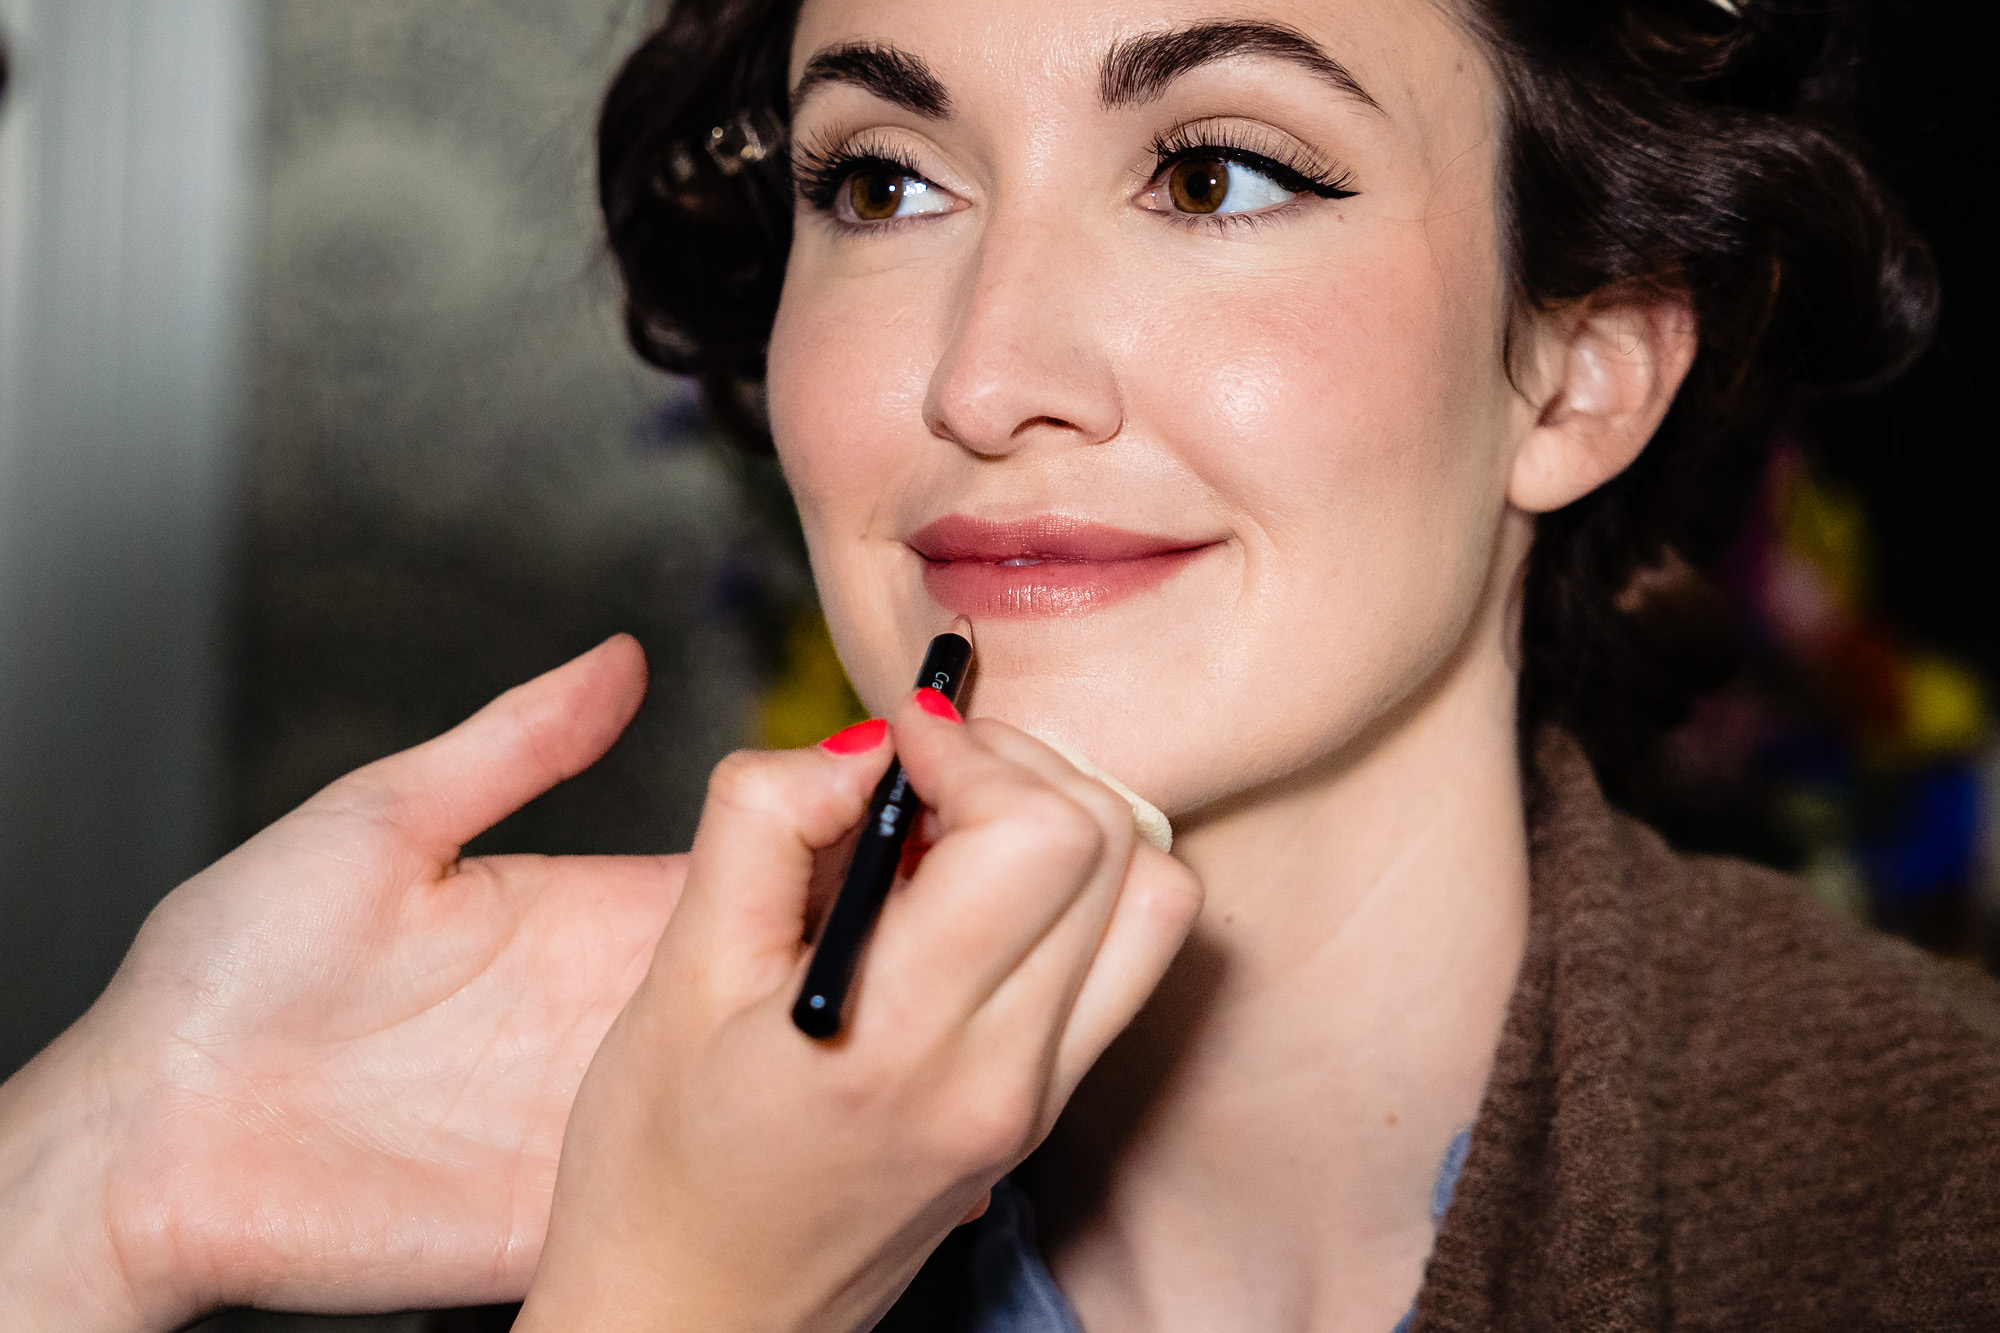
column 1146, row 817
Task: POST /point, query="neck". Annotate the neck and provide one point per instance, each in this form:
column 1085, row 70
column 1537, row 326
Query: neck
column 1259, row 1149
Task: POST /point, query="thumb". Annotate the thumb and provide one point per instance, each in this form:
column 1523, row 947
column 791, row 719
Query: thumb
column 768, row 815
column 447, row 791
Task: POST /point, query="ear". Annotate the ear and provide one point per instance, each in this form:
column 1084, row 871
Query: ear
column 1609, row 373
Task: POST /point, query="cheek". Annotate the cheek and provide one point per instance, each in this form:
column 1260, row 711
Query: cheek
column 845, row 383
column 1353, row 418
column 1349, row 414
column 842, row 388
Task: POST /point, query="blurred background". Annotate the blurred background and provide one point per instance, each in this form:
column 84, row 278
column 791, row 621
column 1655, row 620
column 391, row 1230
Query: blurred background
column 317, row 429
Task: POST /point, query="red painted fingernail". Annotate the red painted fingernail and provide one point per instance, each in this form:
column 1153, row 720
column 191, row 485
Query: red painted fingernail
column 937, row 705
column 857, row 739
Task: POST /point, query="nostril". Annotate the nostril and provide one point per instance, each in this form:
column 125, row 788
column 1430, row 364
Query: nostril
column 1033, row 422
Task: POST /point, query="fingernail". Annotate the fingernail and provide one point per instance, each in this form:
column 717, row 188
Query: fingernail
column 857, row 739
column 937, row 705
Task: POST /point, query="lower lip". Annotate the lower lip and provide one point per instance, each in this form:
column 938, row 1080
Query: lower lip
column 981, row 588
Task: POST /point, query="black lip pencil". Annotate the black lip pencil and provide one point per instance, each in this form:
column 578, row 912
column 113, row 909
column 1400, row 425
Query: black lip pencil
column 892, row 812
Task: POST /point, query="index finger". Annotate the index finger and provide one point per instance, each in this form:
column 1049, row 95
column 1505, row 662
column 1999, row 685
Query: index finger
column 751, row 869
column 1016, row 851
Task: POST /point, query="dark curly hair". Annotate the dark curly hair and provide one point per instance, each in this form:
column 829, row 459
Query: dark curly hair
column 1699, row 149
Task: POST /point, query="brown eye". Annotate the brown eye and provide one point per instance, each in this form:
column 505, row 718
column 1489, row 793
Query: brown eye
column 1198, row 184
column 875, row 196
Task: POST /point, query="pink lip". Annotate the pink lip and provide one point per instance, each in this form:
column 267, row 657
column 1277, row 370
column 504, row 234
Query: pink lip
column 1076, row 567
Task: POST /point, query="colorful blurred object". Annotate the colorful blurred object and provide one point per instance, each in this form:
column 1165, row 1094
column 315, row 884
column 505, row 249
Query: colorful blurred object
column 1871, row 759
column 810, row 698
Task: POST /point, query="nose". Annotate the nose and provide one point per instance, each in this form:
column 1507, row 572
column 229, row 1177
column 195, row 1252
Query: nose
column 1025, row 365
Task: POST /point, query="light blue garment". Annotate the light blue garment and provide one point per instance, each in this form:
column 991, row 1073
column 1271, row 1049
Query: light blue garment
column 1012, row 1291
column 1441, row 1192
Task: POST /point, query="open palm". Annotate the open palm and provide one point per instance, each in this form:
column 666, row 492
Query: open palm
column 339, row 1061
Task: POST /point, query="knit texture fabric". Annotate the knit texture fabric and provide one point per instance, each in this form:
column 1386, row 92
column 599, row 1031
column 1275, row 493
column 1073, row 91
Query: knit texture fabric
column 1716, row 1105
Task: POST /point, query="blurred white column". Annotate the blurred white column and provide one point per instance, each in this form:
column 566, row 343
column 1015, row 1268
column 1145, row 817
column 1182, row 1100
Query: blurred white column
column 126, row 148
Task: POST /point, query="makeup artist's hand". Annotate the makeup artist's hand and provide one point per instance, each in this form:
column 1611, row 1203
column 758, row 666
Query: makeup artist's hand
column 723, row 1171
column 334, row 1070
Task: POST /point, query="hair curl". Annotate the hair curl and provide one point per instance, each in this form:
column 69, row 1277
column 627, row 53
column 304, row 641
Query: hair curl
column 1685, row 149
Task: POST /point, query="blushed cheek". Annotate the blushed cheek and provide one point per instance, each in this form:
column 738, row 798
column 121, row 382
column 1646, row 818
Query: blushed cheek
column 1351, row 396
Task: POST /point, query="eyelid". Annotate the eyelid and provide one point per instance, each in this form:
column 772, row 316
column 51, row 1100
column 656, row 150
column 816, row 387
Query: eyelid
column 1259, row 147
column 820, row 164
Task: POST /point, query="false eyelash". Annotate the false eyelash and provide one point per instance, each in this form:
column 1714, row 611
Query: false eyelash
column 1302, row 175
column 818, row 173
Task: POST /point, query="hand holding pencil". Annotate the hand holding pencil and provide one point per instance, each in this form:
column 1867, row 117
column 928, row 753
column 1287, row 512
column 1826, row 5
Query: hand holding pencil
column 719, row 1161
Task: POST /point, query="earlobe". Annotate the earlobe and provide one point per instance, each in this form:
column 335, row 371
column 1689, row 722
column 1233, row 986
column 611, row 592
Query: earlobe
column 1617, row 369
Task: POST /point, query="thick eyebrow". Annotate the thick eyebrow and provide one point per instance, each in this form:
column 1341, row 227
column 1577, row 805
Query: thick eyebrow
column 1138, row 69
column 893, row 75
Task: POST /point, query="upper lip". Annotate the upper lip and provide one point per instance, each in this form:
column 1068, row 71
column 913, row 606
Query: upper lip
column 1051, row 537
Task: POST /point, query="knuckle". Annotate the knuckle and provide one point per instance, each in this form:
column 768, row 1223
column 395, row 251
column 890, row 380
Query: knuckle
column 995, row 1124
column 862, row 1089
column 745, row 779
column 989, row 729
column 1180, row 896
column 1113, row 815
column 1062, row 825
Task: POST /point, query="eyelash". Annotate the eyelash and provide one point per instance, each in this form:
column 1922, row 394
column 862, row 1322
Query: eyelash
column 1301, row 174
column 818, row 173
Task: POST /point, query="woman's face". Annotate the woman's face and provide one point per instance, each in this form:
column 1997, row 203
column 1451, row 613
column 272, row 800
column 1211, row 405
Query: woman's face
column 1164, row 339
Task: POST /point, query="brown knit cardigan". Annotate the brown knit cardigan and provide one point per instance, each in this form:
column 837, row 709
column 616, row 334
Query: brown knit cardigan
column 1716, row 1105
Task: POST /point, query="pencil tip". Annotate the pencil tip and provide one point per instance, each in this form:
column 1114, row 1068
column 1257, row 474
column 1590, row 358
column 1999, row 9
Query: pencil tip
column 962, row 627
